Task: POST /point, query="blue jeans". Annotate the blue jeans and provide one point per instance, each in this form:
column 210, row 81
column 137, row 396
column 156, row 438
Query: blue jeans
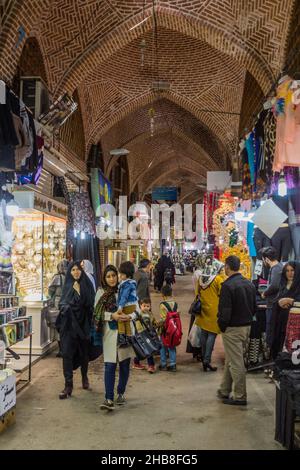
column 150, row 361
column 110, row 376
column 207, row 345
column 163, row 356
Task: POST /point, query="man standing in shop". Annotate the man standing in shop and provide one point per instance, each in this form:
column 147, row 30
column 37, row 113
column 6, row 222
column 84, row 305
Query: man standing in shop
column 142, row 279
column 237, row 307
column 269, row 256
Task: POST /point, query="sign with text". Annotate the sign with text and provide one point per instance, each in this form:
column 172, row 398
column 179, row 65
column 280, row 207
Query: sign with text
column 165, row 193
column 7, row 394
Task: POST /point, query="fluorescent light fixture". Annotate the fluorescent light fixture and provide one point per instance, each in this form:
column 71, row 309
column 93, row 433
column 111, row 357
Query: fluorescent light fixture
column 12, row 208
column 119, row 152
column 139, row 24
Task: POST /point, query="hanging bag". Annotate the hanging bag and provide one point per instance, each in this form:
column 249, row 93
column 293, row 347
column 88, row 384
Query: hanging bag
column 145, row 343
column 195, row 308
column 195, row 336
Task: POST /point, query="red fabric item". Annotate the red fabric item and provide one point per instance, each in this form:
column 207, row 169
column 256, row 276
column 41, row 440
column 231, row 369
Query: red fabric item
column 292, row 330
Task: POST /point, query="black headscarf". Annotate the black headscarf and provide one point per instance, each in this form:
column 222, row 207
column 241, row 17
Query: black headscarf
column 78, row 309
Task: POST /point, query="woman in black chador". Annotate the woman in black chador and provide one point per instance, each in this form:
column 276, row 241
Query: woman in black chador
column 74, row 325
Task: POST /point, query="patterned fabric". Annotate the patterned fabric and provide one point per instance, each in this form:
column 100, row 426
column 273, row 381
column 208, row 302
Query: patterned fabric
column 247, row 188
column 269, row 143
column 292, row 330
column 82, row 213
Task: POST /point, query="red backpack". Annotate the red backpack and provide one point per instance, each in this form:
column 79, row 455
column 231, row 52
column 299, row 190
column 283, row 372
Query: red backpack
column 172, row 334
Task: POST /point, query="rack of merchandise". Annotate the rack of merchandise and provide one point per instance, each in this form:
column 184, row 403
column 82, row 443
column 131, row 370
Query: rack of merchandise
column 15, row 327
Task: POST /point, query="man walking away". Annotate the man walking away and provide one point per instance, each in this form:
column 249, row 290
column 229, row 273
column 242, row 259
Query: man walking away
column 237, row 307
column 142, row 279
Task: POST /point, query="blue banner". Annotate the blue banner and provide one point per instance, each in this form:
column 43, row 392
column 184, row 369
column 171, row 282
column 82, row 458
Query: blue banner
column 164, row 193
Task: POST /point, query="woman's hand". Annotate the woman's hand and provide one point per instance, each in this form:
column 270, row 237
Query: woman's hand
column 119, row 317
column 286, row 302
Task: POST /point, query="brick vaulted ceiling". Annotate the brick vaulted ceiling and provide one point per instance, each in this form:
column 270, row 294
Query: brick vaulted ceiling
column 203, row 48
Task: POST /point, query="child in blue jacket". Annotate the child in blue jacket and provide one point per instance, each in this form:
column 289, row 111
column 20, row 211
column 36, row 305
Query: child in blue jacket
column 127, row 300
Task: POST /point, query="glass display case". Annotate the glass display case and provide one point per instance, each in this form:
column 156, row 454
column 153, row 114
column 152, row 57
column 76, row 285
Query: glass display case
column 39, row 245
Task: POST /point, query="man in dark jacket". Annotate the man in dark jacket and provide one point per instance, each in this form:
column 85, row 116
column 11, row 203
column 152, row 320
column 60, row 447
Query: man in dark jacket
column 237, row 307
column 142, row 279
column 270, row 259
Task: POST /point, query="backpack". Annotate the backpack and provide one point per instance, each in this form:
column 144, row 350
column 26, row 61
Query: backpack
column 168, row 276
column 172, row 333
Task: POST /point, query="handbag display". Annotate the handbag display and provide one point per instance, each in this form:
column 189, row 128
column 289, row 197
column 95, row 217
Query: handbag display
column 145, row 343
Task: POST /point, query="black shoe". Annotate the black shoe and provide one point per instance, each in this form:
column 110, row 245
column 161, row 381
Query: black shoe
column 107, row 405
column 209, row 368
column 59, row 354
column 231, row 401
column 171, row 368
column 221, row 396
column 85, row 383
column 66, row 393
column 160, row 367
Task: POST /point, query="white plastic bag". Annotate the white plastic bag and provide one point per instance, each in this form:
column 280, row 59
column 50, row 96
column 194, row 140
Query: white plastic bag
column 195, row 336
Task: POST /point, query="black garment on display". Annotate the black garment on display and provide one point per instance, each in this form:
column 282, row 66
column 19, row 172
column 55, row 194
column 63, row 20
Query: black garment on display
column 260, row 241
column 283, row 203
column 282, row 242
column 88, row 248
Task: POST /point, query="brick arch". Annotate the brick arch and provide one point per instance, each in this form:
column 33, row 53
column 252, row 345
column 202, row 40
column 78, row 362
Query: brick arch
column 213, row 128
column 18, row 16
column 165, row 171
column 169, row 17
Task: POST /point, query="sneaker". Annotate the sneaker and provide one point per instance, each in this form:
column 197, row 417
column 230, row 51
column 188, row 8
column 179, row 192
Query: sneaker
column 162, row 367
column 139, row 366
column 107, row 405
column 171, row 368
column 151, row 369
column 121, row 400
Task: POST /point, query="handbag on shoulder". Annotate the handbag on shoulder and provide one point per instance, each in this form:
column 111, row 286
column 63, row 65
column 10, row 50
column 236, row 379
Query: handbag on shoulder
column 195, row 308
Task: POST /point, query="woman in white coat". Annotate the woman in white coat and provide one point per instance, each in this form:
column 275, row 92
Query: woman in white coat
column 106, row 318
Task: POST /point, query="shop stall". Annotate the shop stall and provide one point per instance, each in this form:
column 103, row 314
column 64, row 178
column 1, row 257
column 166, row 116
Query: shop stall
column 39, row 245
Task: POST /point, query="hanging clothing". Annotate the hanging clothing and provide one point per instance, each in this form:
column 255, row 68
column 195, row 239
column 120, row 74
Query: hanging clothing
column 246, row 178
column 288, row 128
column 250, row 146
column 293, row 326
column 269, row 143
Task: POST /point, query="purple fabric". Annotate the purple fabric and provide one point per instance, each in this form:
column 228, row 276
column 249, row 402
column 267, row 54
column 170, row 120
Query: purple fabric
column 291, row 177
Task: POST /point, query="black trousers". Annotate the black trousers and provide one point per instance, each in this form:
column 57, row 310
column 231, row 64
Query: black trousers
column 74, row 348
column 282, row 242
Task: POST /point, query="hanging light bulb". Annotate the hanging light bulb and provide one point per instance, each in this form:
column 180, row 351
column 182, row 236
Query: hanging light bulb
column 12, row 208
column 282, row 187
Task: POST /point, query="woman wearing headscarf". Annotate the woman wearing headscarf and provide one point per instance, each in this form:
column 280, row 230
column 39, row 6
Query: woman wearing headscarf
column 164, row 264
column 88, row 268
column 74, row 324
column 106, row 320
column 289, row 294
column 208, row 288
column 55, row 291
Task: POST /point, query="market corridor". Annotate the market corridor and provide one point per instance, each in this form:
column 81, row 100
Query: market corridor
column 164, row 410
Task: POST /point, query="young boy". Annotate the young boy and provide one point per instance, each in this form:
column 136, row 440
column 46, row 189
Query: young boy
column 168, row 304
column 127, row 301
column 145, row 306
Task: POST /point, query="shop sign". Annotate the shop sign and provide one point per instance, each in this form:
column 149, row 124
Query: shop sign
column 7, row 394
column 101, row 190
column 37, row 201
column 50, row 206
column 164, row 193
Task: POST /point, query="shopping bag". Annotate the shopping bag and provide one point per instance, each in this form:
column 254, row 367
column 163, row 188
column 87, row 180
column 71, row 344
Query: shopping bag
column 195, row 336
column 145, row 343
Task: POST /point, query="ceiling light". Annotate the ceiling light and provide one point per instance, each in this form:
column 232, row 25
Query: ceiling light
column 119, row 152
